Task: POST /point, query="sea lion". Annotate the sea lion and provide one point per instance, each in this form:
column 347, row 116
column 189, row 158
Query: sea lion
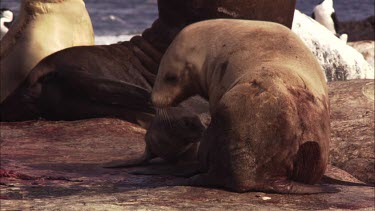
column 268, row 102
column 173, row 135
column 55, row 90
column 42, row 27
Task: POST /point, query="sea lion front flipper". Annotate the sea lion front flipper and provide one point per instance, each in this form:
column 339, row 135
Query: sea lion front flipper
column 126, row 163
column 106, row 90
column 180, row 170
column 140, row 161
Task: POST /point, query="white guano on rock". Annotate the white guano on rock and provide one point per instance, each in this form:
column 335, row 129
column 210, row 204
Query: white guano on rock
column 338, row 60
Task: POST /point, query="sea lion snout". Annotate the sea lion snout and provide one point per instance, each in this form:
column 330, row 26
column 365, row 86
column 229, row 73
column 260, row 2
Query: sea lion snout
column 167, row 94
column 159, row 100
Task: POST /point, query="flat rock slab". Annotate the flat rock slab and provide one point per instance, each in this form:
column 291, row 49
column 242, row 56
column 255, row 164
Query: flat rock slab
column 352, row 128
column 57, row 166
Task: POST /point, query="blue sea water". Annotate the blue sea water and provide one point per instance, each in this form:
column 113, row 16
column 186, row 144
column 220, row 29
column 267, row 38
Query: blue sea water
column 114, row 18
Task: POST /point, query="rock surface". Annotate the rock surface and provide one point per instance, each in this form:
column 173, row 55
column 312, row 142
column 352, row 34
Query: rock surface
column 366, row 48
column 338, row 60
column 56, row 166
column 352, row 127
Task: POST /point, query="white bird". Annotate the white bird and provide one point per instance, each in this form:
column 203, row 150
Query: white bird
column 324, row 13
column 6, row 19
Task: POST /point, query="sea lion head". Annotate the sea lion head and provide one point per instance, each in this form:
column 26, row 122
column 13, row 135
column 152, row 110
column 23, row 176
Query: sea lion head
column 174, row 132
column 179, row 124
column 178, row 76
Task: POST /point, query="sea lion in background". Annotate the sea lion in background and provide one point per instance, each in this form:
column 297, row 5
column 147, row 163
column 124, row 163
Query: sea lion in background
column 173, row 135
column 42, row 27
column 55, row 90
column 268, row 101
column 6, row 19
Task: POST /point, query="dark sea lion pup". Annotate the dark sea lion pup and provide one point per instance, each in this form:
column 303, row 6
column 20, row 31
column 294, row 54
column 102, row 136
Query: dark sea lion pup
column 173, row 135
column 268, row 101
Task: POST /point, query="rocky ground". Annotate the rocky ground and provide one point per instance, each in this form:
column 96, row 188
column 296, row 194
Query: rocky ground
column 57, row 166
column 366, row 48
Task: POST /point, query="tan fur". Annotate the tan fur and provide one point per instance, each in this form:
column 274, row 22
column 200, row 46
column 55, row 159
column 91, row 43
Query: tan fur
column 268, row 103
column 42, row 27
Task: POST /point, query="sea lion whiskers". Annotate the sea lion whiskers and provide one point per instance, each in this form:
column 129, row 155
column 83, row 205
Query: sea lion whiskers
column 168, row 118
column 160, row 114
column 164, row 116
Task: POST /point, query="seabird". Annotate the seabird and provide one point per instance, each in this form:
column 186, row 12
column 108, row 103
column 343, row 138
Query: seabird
column 324, row 13
column 6, row 19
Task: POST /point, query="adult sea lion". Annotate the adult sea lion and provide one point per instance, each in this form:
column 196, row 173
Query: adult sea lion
column 42, row 27
column 55, row 89
column 268, row 101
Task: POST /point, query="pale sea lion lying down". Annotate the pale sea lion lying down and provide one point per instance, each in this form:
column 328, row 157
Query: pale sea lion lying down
column 42, row 27
column 268, row 99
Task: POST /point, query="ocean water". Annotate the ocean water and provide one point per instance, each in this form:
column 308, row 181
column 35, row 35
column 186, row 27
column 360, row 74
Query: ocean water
column 115, row 20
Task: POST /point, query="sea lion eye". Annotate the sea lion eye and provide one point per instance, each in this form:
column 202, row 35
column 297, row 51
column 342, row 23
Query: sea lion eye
column 170, row 78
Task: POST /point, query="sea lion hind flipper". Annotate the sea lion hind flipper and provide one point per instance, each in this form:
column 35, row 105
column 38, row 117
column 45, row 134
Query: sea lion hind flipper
column 279, row 186
column 106, row 90
column 330, row 180
column 291, row 187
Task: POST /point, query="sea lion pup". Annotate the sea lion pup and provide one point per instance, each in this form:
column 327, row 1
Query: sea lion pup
column 42, row 27
column 173, row 135
column 268, row 103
